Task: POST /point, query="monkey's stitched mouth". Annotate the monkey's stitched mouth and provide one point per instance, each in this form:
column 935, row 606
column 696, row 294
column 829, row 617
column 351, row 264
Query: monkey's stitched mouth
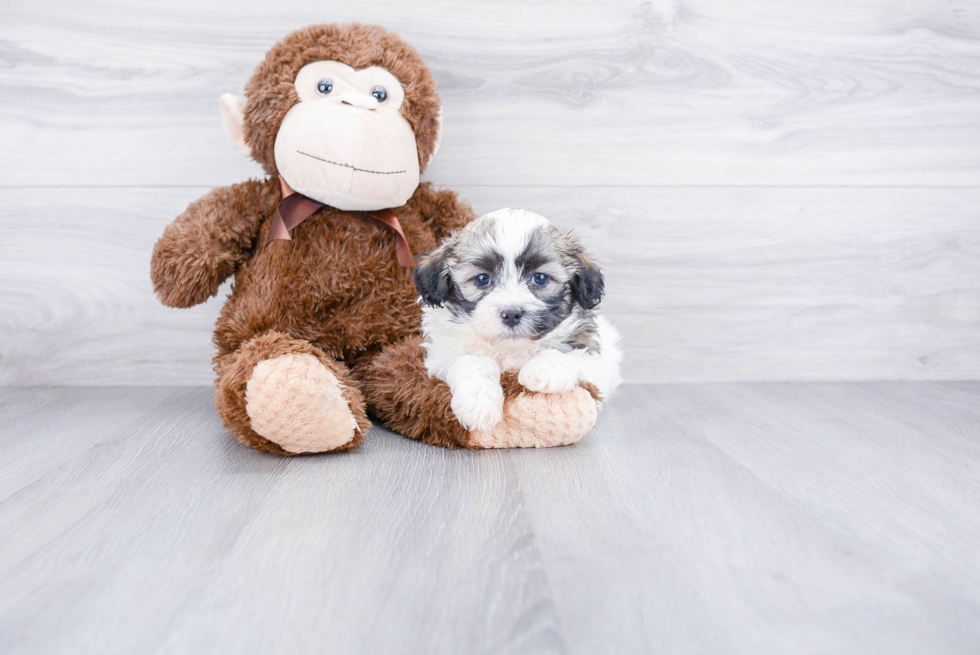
column 337, row 163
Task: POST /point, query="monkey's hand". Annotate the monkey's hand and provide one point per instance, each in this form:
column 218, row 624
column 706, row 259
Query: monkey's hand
column 209, row 241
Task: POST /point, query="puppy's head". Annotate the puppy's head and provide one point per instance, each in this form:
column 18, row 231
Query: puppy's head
column 510, row 275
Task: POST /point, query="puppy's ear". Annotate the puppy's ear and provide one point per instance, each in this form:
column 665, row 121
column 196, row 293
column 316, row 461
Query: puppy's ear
column 588, row 284
column 432, row 277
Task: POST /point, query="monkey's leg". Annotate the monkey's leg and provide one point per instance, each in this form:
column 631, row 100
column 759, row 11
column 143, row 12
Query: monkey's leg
column 400, row 392
column 285, row 396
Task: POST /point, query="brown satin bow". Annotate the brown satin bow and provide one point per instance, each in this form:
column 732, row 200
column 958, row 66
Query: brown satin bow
column 294, row 208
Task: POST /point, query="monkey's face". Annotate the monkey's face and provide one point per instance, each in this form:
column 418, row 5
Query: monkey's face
column 345, row 143
column 346, row 114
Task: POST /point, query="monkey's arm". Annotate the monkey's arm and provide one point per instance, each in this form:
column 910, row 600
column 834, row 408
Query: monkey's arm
column 210, row 240
column 443, row 211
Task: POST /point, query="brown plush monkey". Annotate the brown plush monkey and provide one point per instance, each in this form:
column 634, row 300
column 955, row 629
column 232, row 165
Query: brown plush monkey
column 322, row 323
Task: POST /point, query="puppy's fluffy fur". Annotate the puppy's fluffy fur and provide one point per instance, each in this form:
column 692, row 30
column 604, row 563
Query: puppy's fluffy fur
column 510, row 292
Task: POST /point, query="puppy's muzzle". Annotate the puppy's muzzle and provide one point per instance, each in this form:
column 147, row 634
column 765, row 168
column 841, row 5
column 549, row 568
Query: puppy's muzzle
column 511, row 316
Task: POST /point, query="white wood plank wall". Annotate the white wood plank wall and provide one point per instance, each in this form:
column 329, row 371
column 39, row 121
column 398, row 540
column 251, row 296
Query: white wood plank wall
column 777, row 191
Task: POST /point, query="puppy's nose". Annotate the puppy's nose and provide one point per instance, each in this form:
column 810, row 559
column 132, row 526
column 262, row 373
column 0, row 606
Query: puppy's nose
column 512, row 316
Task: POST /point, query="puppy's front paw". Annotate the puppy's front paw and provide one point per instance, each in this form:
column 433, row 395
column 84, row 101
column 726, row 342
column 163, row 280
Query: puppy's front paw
column 549, row 372
column 479, row 408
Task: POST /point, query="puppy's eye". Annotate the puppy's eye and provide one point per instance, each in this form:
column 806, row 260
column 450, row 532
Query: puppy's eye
column 482, row 281
column 539, row 279
column 324, row 87
column 380, row 94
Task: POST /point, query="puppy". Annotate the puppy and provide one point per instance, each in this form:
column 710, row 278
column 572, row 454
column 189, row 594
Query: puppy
column 510, row 292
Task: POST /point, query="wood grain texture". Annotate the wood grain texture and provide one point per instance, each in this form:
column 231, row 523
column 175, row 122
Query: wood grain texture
column 715, row 284
column 803, row 518
column 767, row 518
column 775, row 193
column 626, row 92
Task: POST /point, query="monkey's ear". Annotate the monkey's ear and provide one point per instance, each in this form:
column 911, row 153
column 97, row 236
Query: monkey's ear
column 233, row 120
column 435, row 148
column 432, row 277
column 588, row 285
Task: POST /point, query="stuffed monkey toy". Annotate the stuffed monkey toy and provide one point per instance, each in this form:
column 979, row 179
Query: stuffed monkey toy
column 322, row 323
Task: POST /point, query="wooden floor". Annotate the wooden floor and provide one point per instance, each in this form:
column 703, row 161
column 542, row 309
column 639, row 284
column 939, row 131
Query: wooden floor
column 736, row 518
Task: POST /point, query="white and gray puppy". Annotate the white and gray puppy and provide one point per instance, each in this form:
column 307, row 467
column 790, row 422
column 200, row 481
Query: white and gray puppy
column 510, row 292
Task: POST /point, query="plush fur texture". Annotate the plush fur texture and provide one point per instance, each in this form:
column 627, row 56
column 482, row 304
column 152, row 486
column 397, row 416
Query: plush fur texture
column 334, row 294
column 210, row 241
column 407, row 399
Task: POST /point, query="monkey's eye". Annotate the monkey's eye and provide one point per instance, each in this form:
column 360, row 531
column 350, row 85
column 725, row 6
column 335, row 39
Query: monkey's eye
column 380, row 93
column 539, row 279
column 324, row 87
column 482, row 281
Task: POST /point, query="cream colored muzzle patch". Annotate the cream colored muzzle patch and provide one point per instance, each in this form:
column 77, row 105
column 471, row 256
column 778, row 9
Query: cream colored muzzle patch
column 348, row 157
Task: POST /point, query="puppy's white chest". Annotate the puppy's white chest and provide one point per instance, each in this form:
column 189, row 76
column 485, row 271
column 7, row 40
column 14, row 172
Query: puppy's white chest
column 509, row 356
column 446, row 341
column 512, row 361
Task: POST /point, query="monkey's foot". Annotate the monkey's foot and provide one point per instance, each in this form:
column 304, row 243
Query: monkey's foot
column 295, row 402
column 541, row 420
